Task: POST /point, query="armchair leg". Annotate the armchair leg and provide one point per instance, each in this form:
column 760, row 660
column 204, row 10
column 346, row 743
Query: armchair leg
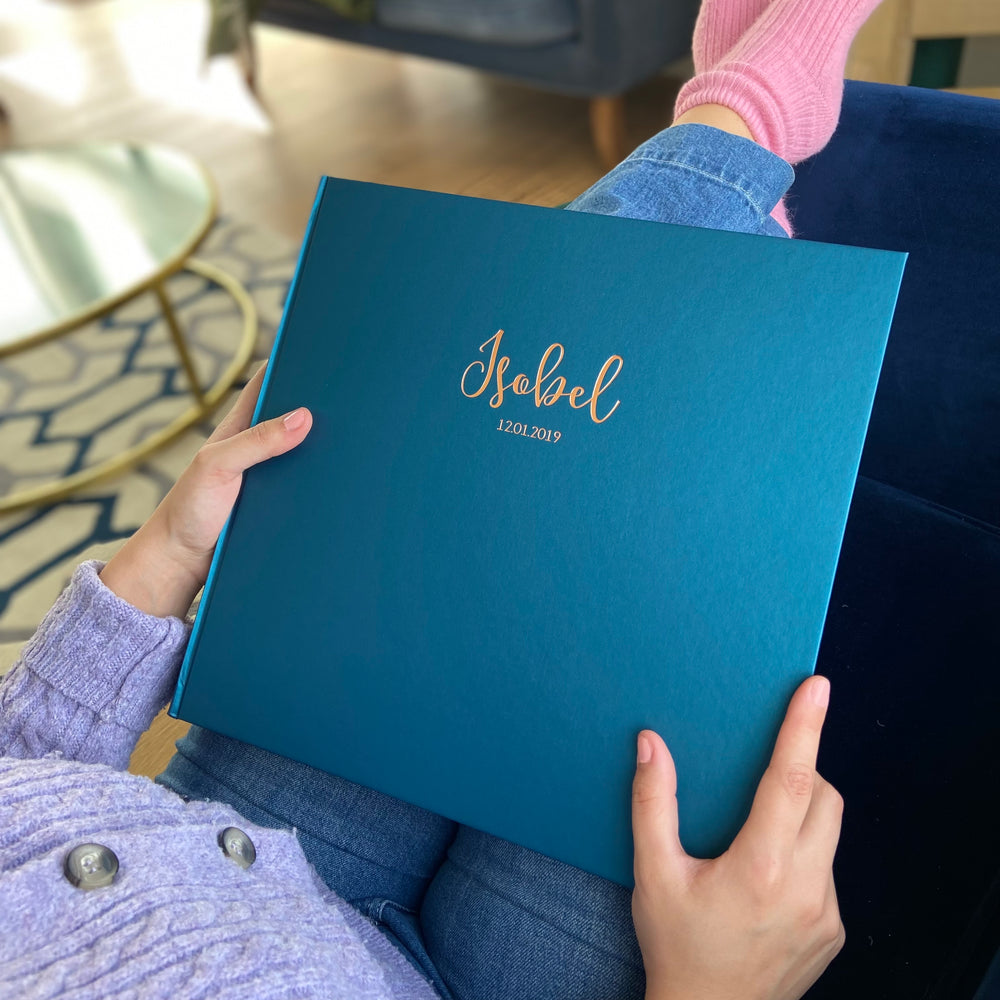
column 607, row 127
column 246, row 58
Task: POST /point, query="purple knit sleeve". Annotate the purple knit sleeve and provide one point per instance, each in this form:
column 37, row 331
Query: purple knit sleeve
column 91, row 679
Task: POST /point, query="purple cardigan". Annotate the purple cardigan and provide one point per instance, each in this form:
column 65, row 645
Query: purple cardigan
column 180, row 918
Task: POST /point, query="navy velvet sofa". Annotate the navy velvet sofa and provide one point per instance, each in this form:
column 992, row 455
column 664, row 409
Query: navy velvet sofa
column 912, row 639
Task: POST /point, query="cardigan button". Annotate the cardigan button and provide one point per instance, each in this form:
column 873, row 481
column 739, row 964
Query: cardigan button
column 237, row 846
column 91, row 866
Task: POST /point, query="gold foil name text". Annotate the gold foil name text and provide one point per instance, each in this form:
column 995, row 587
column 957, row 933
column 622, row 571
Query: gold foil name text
column 547, row 387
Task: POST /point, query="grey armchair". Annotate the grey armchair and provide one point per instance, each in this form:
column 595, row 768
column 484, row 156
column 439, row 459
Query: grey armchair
column 596, row 49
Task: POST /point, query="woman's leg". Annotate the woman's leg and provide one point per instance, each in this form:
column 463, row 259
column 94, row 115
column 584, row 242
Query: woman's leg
column 500, row 921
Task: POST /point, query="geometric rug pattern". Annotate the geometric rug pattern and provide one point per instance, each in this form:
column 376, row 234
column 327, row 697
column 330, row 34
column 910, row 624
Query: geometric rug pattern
column 85, row 396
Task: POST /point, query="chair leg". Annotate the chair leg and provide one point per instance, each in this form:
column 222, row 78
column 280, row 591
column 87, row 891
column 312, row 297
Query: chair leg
column 607, row 127
column 246, row 59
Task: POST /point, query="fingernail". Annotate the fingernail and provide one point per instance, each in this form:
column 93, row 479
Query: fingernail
column 295, row 419
column 820, row 692
column 645, row 750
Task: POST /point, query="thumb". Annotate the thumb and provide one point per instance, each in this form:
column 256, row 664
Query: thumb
column 270, row 438
column 658, row 849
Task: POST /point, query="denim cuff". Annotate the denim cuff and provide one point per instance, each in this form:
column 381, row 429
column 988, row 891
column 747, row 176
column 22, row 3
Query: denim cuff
column 694, row 175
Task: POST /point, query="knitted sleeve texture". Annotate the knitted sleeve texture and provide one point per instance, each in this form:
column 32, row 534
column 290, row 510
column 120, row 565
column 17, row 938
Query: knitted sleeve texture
column 91, row 678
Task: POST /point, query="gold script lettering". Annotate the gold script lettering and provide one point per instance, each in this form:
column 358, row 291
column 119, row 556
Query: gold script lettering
column 546, row 392
column 554, row 391
column 542, row 395
column 601, row 385
column 487, row 372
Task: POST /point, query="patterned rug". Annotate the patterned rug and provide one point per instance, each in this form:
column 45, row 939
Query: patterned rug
column 97, row 391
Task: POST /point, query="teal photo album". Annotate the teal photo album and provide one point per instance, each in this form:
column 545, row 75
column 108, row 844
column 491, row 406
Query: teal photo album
column 570, row 476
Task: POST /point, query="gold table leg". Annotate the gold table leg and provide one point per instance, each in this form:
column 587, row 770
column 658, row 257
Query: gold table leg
column 205, row 400
column 178, row 338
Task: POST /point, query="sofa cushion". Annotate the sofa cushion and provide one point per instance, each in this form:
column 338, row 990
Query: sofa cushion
column 498, row 22
column 911, row 646
column 915, row 170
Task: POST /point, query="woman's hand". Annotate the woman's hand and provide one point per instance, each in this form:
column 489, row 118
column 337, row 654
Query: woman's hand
column 761, row 922
column 164, row 564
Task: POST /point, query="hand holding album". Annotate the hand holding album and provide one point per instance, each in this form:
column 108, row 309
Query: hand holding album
column 165, row 563
column 760, row 922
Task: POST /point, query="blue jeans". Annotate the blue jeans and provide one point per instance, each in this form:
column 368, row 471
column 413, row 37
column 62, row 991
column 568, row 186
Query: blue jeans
column 482, row 918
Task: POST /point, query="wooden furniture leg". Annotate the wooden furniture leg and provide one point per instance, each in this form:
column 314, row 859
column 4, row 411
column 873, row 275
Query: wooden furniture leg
column 246, row 58
column 607, row 127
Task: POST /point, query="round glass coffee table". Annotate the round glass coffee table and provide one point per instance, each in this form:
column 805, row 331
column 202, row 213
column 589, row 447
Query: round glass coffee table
column 83, row 230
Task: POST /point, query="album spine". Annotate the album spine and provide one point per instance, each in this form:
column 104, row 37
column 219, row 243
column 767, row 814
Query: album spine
column 176, row 705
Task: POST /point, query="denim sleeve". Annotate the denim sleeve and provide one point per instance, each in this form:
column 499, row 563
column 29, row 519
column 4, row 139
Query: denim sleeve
column 693, row 175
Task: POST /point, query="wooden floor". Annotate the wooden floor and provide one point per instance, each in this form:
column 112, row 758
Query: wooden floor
column 133, row 69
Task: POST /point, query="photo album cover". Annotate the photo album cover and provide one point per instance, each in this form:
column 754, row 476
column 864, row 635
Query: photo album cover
column 570, row 476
